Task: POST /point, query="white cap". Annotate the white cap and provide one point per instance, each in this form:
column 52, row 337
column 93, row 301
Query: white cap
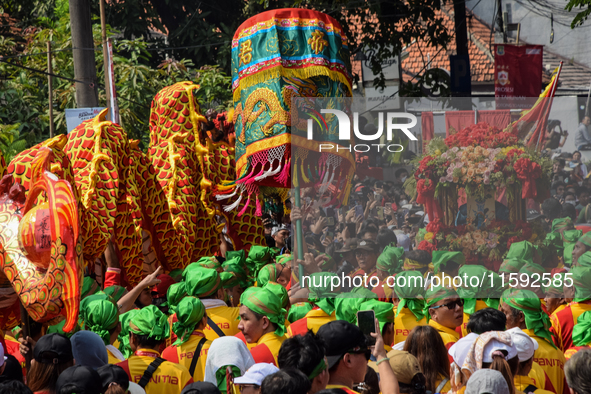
column 404, row 241
column 276, row 229
column 525, row 346
column 494, row 345
column 459, row 350
column 256, row 374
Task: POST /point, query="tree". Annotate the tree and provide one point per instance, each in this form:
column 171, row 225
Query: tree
column 582, row 16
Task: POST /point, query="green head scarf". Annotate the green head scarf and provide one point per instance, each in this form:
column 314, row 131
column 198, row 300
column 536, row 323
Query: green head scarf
column 347, row 305
column 258, row 257
column 512, row 265
column 535, row 318
column 523, row 250
column 298, row 311
column 210, row 262
column 89, row 287
column 441, row 258
column 237, row 273
column 554, row 240
column 189, row 312
column 204, row 282
column 264, row 302
column 390, row 259
column 471, row 293
column 177, row 274
column 435, row 294
column 151, row 322
column 557, row 279
column 86, row 301
column 237, row 254
column 562, row 223
column 268, row 273
column 279, row 291
column 584, row 260
column 101, row 316
column 410, row 291
column 570, row 239
column 581, row 277
column 582, row 330
column 532, row 268
column 321, row 293
column 284, row 259
column 124, row 334
column 59, row 329
column 115, row 292
column 175, row 293
column 384, row 311
column 586, row 239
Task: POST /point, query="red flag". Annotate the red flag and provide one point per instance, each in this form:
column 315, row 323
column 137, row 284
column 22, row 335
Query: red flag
column 531, row 126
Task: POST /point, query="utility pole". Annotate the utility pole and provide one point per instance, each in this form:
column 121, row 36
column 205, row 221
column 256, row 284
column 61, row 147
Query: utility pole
column 50, row 88
column 83, row 48
column 500, row 21
column 461, row 84
column 105, row 55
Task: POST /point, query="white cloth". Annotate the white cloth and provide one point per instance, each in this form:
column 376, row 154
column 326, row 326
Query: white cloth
column 135, row 388
column 209, row 303
column 115, row 352
column 227, row 351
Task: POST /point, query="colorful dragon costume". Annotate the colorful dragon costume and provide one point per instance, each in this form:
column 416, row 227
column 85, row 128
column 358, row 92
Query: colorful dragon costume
column 157, row 208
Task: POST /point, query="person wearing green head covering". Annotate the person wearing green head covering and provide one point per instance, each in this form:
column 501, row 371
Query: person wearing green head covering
column 410, row 303
column 189, row 327
column 123, row 338
column 570, row 238
column 535, row 273
column 554, row 294
column 522, row 250
column 577, row 288
column 561, row 225
column 476, row 297
column 210, row 262
column 447, row 262
column 175, row 293
column 269, row 272
column 523, row 309
column 321, row 299
column 444, row 310
column 115, row 292
column 239, row 255
column 262, row 322
column 258, row 257
column 238, row 281
column 207, row 285
column 102, row 318
column 584, row 260
column 581, row 335
column 298, row 311
column 147, row 331
column 512, row 265
column 384, row 312
column 581, row 246
column 284, row 259
column 177, row 274
column 388, row 263
column 347, row 305
column 57, row 329
column 89, row 287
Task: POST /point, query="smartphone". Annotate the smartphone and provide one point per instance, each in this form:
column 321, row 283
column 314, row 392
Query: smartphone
column 358, row 210
column 380, row 211
column 366, row 321
column 330, row 221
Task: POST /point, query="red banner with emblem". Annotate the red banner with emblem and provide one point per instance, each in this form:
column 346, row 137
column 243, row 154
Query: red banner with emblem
column 518, row 75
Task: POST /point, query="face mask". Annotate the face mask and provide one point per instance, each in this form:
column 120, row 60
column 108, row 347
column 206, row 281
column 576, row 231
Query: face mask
column 571, row 202
column 403, row 178
column 403, row 202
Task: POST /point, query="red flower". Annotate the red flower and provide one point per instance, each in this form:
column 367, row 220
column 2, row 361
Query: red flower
column 481, row 134
column 527, row 172
column 425, row 190
column 427, row 246
column 436, row 226
column 511, row 240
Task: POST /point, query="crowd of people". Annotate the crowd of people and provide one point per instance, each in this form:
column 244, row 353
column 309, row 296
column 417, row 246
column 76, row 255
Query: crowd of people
column 241, row 321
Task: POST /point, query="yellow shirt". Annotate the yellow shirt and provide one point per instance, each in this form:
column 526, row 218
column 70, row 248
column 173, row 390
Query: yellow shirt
column 564, row 321
column 183, row 354
column 448, row 335
column 446, row 388
column 552, row 362
column 479, row 305
column 521, row 383
column 338, row 386
column 112, row 358
column 538, row 376
column 168, row 378
column 404, row 323
column 227, row 319
column 267, row 348
column 313, row 320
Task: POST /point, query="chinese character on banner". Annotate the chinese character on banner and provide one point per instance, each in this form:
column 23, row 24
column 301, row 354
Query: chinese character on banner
column 518, row 75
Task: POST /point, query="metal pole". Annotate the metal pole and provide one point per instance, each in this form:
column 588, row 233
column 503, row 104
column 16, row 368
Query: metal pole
column 50, row 88
column 587, row 105
column 83, row 53
column 299, row 236
column 105, row 54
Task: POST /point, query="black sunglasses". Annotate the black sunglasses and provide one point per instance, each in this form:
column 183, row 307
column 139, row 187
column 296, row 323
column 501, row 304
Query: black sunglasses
column 450, row 305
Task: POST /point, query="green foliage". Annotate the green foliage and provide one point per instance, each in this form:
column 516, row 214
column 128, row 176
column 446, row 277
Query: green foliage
column 581, row 17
